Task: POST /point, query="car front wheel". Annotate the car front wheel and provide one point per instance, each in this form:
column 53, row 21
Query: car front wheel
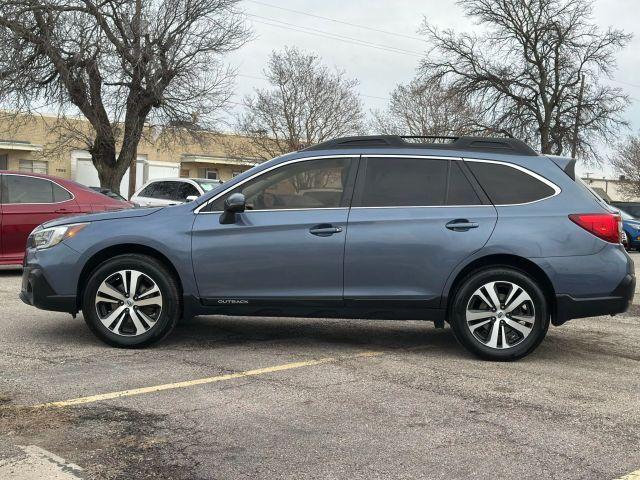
column 499, row 314
column 131, row 301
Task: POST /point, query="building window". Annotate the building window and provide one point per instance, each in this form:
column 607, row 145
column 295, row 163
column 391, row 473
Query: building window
column 208, row 173
column 33, row 166
column 3, row 162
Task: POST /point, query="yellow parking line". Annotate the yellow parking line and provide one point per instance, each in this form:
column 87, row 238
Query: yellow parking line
column 631, row 476
column 202, row 381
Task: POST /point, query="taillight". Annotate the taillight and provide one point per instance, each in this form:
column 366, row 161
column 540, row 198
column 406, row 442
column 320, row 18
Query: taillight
column 606, row 226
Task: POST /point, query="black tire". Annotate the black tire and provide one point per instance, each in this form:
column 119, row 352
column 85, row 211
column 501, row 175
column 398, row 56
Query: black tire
column 167, row 316
column 472, row 342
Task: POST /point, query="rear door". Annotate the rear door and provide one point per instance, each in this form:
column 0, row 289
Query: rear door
column 26, row 203
column 412, row 221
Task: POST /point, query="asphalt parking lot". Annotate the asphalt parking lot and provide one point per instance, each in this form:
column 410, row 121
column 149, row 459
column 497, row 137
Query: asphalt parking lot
column 231, row 398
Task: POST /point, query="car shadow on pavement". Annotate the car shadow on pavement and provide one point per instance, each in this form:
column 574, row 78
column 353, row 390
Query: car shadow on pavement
column 219, row 331
column 214, row 332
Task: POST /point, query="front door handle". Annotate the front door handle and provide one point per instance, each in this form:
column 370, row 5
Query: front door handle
column 324, row 230
column 461, row 225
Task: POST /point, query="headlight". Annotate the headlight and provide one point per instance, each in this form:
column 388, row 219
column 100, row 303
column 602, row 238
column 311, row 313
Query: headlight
column 48, row 237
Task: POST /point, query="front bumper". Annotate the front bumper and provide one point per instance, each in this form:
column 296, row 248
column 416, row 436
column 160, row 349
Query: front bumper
column 50, row 279
column 568, row 307
column 37, row 291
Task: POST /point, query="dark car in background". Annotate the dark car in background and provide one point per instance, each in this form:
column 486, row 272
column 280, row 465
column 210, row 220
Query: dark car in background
column 110, row 194
column 29, row 199
column 631, row 208
column 631, row 229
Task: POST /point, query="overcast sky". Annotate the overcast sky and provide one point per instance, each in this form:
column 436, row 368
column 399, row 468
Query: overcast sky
column 381, row 60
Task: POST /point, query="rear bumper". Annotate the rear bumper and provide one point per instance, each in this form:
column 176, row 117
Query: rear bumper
column 568, row 307
column 37, row 291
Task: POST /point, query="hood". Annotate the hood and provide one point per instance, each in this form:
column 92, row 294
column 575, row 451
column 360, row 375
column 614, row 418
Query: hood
column 96, row 217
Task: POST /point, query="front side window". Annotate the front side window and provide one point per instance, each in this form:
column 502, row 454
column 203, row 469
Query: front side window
column 22, row 189
column 186, row 190
column 161, row 190
column 507, row 185
column 300, row 185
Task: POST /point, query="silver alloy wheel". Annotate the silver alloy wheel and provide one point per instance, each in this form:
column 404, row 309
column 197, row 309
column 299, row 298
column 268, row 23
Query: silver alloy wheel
column 128, row 303
column 500, row 315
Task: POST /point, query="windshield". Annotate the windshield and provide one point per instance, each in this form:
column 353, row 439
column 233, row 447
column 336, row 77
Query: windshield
column 208, row 185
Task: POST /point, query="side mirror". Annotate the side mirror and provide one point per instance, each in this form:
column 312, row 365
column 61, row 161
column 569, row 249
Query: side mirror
column 191, row 198
column 235, row 203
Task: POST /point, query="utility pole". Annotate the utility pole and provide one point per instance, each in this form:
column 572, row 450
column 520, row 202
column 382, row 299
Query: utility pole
column 574, row 146
column 137, row 28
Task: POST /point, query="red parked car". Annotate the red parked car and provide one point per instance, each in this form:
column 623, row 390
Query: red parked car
column 29, row 199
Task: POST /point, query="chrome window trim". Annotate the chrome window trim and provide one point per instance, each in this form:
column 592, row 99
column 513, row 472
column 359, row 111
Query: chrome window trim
column 550, row 184
column 73, row 197
column 289, row 162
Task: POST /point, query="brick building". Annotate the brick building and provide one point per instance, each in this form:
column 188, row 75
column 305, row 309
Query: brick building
column 33, row 144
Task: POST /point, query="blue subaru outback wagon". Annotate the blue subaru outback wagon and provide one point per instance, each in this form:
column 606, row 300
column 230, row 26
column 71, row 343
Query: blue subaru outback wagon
column 482, row 233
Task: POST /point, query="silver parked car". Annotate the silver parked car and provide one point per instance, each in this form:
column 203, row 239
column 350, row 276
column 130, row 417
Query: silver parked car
column 172, row 191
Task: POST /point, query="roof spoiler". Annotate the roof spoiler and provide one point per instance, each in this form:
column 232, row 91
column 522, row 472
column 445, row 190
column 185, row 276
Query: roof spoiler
column 568, row 165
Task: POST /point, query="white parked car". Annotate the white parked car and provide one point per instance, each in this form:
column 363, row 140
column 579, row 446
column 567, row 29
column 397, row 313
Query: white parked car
column 172, row 191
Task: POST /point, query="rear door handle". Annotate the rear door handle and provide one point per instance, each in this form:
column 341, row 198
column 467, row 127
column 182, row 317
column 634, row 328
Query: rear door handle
column 324, row 230
column 461, row 225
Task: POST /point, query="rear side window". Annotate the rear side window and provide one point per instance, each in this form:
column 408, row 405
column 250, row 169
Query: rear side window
column 506, row 185
column 399, row 182
column 460, row 191
column 60, row 194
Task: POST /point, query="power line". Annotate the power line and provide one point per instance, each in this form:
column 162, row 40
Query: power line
column 386, row 32
column 635, row 85
column 325, row 34
column 266, row 80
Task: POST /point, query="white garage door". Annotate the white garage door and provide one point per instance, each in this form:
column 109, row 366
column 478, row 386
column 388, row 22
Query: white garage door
column 86, row 174
column 162, row 170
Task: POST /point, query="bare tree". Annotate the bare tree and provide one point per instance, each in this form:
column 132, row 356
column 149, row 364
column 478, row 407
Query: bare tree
column 121, row 64
column 306, row 104
column 427, row 109
column 526, row 70
column 626, row 162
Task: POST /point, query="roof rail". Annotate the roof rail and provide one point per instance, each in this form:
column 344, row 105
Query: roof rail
column 485, row 144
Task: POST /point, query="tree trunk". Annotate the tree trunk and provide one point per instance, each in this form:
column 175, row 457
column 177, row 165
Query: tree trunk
column 103, row 156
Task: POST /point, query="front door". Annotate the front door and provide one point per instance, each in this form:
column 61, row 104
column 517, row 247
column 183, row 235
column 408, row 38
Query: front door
column 287, row 246
column 413, row 220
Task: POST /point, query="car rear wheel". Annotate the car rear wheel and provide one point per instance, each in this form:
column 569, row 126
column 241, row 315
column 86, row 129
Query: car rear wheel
column 131, row 301
column 499, row 314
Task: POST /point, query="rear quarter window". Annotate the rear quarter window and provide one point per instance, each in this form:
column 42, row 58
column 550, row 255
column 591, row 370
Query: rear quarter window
column 506, row 185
